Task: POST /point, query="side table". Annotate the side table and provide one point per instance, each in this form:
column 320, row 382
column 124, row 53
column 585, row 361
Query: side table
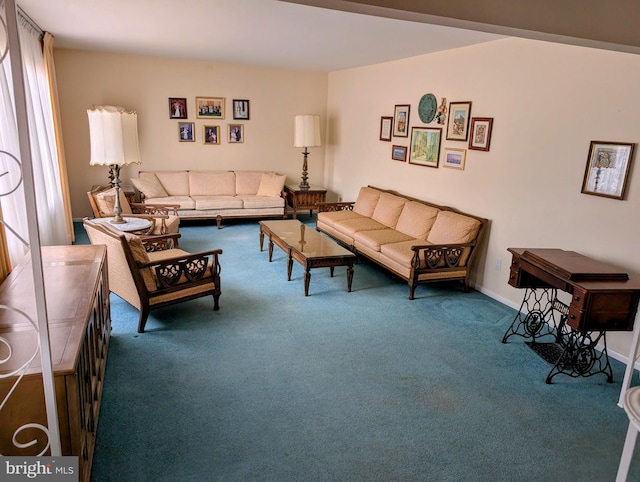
column 131, row 225
column 304, row 198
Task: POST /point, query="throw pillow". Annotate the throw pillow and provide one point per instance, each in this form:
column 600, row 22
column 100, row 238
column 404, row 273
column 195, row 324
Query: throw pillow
column 150, row 186
column 271, row 184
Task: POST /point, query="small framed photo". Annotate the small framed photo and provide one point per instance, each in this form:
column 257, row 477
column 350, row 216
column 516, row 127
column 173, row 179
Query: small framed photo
column 454, row 158
column 458, row 122
column 386, row 123
column 480, row 137
column 399, row 153
column 187, row 132
column 401, row 121
column 240, row 109
column 211, row 135
column 236, row 133
column 425, row 146
column 177, row 108
column 607, row 170
column 210, row 107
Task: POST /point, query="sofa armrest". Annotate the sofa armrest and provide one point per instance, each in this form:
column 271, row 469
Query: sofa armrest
column 330, row 207
column 437, row 256
column 152, row 209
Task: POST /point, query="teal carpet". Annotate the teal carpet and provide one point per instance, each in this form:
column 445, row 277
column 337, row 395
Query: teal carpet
column 337, row 386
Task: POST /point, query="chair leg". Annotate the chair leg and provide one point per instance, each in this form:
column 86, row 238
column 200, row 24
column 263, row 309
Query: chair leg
column 627, row 453
column 144, row 314
column 216, row 300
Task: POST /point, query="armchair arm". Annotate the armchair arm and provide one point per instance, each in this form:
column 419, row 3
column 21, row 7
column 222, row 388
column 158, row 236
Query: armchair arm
column 160, row 242
column 170, row 271
column 437, row 256
column 330, row 207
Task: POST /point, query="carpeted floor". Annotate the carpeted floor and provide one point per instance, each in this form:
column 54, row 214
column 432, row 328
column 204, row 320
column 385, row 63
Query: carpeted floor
column 337, row 386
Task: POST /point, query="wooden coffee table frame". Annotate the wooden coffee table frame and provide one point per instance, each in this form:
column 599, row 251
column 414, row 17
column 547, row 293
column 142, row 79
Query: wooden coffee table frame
column 325, row 261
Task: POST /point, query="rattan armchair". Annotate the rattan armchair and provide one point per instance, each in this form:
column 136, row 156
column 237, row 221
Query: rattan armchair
column 150, row 272
column 102, row 200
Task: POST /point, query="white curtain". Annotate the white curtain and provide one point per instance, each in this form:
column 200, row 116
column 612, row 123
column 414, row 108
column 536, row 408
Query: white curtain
column 49, row 202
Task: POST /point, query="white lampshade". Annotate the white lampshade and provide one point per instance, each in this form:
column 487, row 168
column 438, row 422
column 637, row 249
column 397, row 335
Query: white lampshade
column 307, row 131
column 114, row 136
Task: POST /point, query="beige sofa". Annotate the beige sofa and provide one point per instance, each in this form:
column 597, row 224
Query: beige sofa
column 215, row 194
column 418, row 241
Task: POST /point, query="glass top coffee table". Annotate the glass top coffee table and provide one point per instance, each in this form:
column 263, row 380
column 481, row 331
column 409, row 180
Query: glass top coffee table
column 308, row 247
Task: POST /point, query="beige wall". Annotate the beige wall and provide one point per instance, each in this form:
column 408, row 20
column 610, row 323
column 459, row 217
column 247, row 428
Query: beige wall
column 144, row 84
column 548, row 102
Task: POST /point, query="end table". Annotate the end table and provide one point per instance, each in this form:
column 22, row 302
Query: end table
column 304, row 198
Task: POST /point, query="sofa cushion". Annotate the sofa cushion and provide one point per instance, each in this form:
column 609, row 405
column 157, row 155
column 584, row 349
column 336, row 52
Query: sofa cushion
column 217, row 202
column 401, row 252
column 176, row 183
column 453, row 228
column 248, row 182
column 271, row 184
column 388, row 209
column 416, row 219
column 137, row 248
column 331, row 217
column 212, row 183
column 366, row 201
column 252, row 202
column 378, row 237
column 149, row 186
column 183, row 202
column 352, row 226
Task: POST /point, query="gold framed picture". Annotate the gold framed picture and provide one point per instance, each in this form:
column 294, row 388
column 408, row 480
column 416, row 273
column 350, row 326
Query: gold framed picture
column 210, row 107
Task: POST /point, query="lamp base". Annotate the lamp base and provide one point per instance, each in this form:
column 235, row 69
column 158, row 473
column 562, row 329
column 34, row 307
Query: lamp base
column 304, row 185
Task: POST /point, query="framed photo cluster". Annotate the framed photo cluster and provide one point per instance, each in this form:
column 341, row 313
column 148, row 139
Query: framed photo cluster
column 425, row 142
column 211, row 108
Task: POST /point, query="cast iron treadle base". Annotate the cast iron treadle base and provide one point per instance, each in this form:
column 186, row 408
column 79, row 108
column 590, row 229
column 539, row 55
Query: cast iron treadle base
column 549, row 352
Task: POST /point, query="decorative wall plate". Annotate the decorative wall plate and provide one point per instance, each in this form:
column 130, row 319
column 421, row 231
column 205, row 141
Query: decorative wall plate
column 427, row 108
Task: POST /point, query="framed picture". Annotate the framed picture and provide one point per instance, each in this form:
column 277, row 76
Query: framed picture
column 480, row 137
column 399, row 153
column 401, row 121
column 241, row 109
column 210, row 107
column 607, row 169
column 236, row 133
column 454, row 158
column 177, row 108
column 425, row 146
column 211, row 135
column 186, row 131
column 386, row 124
column 458, row 124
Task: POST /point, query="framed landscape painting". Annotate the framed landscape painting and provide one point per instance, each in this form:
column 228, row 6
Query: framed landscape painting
column 399, row 153
column 425, row 146
column 210, row 107
column 458, row 124
column 454, row 158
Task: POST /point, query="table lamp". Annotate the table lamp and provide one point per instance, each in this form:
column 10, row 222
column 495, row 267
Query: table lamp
column 306, row 134
column 114, row 143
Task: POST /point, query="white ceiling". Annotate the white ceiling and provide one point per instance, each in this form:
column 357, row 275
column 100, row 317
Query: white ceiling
column 267, row 33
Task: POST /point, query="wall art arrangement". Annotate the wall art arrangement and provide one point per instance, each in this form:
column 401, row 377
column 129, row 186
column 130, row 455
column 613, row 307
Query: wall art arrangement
column 425, row 142
column 607, row 170
column 212, row 108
